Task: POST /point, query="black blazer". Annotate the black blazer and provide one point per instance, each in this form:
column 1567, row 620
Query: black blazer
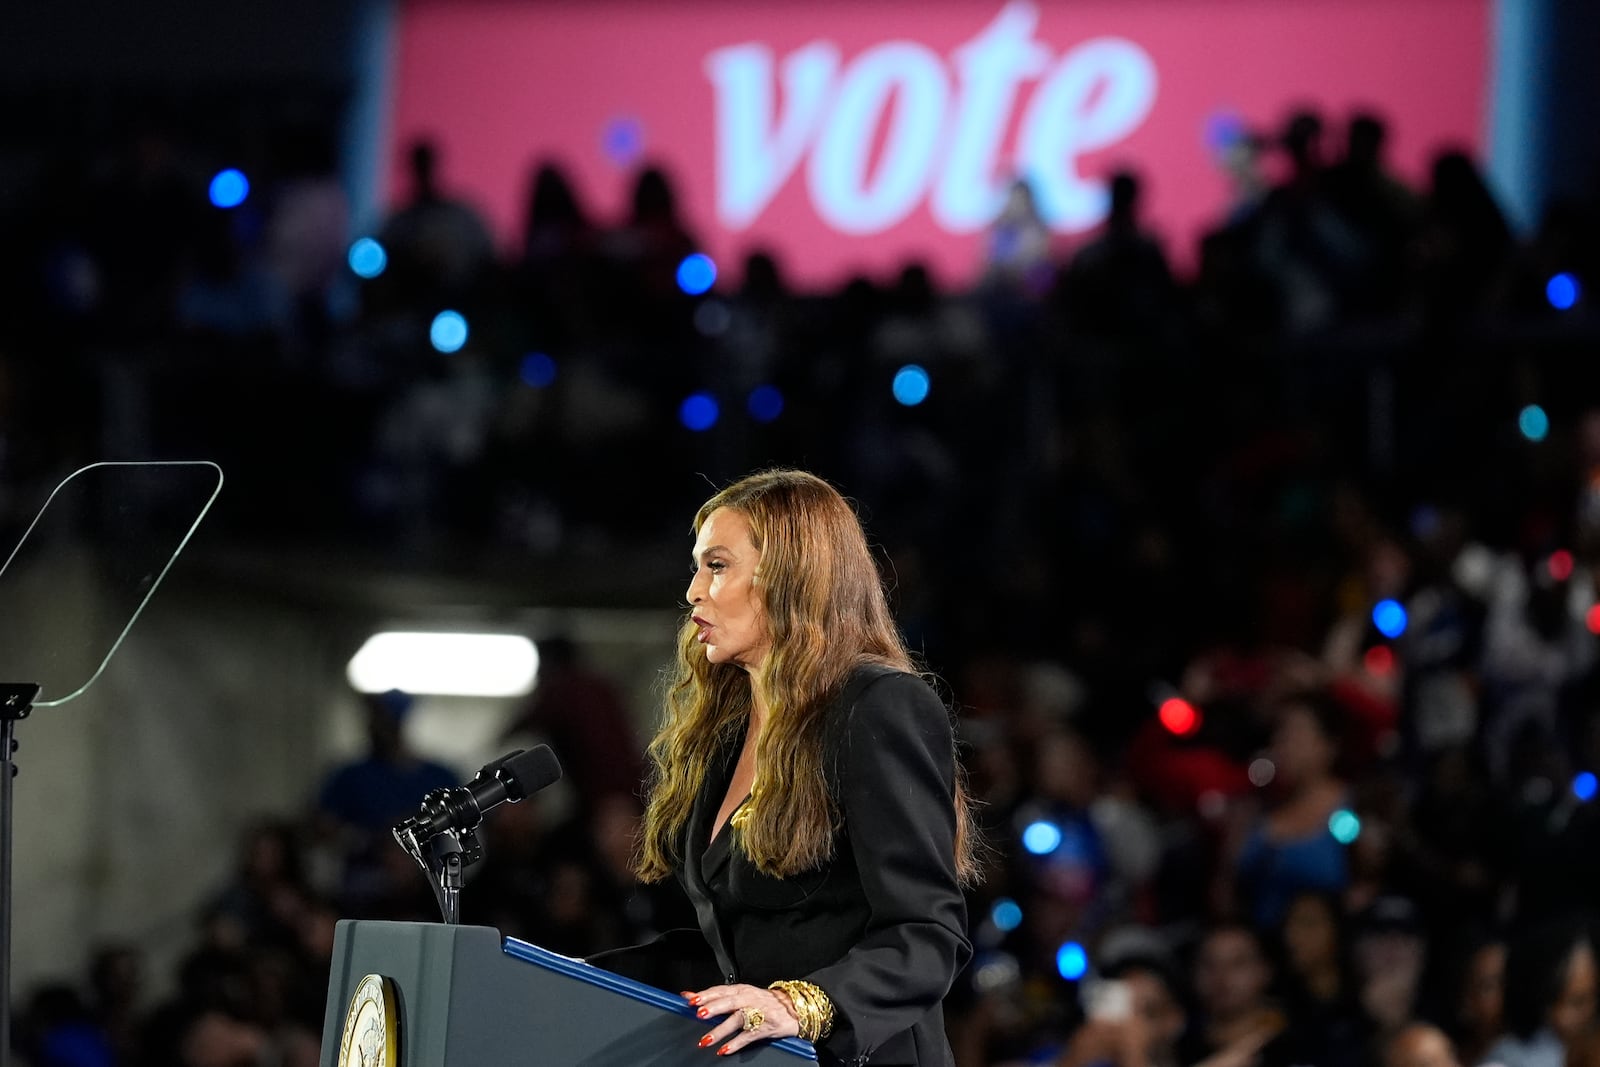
column 882, row 927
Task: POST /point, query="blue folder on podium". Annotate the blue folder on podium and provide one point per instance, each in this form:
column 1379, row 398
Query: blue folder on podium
column 433, row 995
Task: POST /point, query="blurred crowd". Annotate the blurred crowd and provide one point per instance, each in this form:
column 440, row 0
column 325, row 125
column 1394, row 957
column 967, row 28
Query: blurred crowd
column 1267, row 594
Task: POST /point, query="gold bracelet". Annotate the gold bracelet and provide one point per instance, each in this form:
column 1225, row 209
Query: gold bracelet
column 812, row 1008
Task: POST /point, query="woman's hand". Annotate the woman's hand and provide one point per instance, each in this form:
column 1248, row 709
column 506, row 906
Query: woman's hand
column 777, row 1015
column 1121, row 1042
column 1243, row 1052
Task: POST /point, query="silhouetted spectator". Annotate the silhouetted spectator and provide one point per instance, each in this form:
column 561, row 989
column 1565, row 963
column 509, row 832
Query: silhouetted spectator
column 438, row 245
column 1319, row 988
column 58, row 1030
column 1119, row 286
column 374, row 792
column 147, row 214
column 1143, row 1027
column 1420, row 1045
column 585, row 717
column 360, row 802
column 1465, row 241
column 1017, row 246
column 226, row 288
column 1237, row 1021
column 116, row 984
column 558, row 231
column 1456, row 842
column 1478, row 1013
column 654, row 239
column 1302, row 241
column 263, row 903
column 1550, row 995
column 1391, row 955
column 1381, row 210
column 308, row 232
column 1291, row 848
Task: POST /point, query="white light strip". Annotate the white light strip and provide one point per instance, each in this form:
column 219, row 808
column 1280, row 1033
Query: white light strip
column 450, row 664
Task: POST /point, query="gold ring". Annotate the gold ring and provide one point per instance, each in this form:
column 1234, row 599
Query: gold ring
column 752, row 1019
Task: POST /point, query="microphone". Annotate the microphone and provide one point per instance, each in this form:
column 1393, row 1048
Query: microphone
column 510, row 778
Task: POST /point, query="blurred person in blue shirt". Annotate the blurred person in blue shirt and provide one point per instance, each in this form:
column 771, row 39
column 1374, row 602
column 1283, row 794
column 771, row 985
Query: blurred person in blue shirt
column 374, row 792
column 360, row 801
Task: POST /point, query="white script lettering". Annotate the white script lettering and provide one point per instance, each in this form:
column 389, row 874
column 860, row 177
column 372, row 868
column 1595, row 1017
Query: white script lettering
column 944, row 125
column 752, row 166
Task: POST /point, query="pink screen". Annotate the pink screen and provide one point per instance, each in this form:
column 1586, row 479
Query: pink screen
column 857, row 135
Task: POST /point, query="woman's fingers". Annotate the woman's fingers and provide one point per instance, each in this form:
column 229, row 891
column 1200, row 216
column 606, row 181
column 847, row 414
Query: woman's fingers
column 720, row 1035
column 752, row 1015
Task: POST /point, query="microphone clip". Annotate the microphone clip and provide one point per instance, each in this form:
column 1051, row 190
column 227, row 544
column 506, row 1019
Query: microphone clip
column 443, row 836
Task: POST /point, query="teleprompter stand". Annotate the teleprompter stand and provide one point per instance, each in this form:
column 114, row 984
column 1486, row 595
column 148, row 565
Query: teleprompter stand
column 129, row 521
column 16, row 701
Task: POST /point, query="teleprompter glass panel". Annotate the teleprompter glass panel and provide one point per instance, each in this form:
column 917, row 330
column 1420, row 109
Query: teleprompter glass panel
column 87, row 564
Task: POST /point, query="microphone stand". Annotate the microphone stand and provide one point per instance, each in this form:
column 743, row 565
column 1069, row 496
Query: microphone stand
column 444, row 858
column 446, row 850
column 16, row 701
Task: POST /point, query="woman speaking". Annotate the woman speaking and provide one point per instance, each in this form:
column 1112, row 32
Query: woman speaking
column 805, row 789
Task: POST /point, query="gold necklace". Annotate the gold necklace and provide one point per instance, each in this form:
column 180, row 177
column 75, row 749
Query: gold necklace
column 743, row 813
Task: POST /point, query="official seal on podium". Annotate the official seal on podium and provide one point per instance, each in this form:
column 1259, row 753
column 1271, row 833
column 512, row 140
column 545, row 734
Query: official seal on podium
column 371, row 1026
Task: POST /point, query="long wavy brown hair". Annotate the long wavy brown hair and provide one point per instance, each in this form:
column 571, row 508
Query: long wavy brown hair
column 826, row 613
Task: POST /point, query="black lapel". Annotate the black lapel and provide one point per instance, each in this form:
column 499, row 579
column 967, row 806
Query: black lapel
column 720, row 851
column 707, row 802
column 701, row 815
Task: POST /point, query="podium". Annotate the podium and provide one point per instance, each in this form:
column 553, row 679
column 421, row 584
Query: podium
column 463, row 996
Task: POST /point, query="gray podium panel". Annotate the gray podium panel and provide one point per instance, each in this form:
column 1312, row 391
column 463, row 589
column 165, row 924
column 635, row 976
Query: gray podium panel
column 470, row 998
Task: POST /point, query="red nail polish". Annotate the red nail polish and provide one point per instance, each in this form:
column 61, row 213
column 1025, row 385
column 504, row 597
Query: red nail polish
column 724, row 1050
column 694, row 998
column 704, row 1041
column 703, row 1013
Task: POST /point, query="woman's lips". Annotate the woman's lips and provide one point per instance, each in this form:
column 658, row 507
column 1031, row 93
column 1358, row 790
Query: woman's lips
column 705, row 628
